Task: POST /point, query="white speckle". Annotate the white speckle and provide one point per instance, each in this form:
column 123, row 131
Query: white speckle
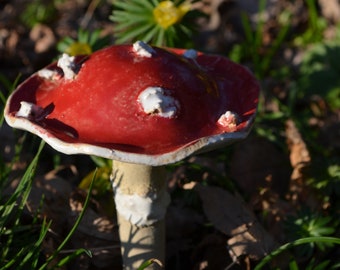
column 28, row 110
column 66, row 63
column 229, row 120
column 141, row 210
column 191, row 54
column 158, row 101
column 143, row 49
column 33, row 112
column 47, row 74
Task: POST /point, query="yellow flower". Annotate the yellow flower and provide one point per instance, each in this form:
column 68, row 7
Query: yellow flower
column 78, row 48
column 167, row 14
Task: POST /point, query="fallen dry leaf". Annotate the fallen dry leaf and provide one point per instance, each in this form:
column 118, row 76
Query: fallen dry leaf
column 299, row 159
column 43, row 38
column 230, row 215
column 96, row 232
column 258, row 163
column 299, row 154
column 51, row 193
column 330, row 9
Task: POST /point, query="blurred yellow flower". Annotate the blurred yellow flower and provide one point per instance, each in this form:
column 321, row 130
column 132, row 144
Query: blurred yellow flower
column 166, row 13
column 78, row 48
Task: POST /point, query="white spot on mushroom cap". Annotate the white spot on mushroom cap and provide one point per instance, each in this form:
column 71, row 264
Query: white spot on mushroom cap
column 142, row 49
column 33, row 112
column 66, row 63
column 28, row 110
column 158, row 101
column 228, row 120
column 191, row 54
column 47, row 74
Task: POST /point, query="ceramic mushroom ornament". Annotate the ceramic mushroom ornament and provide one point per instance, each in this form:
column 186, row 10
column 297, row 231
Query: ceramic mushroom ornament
column 143, row 107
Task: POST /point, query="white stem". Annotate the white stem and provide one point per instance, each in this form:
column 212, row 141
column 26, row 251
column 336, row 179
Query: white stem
column 141, row 201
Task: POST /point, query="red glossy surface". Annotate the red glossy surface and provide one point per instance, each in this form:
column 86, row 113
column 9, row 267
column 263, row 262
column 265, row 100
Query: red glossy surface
column 100, row 105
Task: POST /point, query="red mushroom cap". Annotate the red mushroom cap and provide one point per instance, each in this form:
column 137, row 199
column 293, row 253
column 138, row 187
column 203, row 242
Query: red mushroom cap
column 137, row 103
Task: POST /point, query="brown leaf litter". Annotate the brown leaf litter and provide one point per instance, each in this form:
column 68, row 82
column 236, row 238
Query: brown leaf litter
column 230, row 215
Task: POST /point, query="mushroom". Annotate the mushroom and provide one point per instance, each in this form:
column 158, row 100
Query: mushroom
column 143, row 107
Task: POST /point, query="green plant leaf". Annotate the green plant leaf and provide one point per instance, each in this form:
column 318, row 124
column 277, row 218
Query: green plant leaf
column 302, row 241
column 320, row 73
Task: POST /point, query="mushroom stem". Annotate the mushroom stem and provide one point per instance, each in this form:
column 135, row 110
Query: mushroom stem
column 141, row 201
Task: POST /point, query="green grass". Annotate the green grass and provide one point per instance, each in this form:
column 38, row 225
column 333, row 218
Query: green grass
column 297, row 243
column 21, row 241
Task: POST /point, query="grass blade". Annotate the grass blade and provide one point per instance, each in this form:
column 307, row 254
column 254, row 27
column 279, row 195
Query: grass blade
column 75, row 226
column 307, row 240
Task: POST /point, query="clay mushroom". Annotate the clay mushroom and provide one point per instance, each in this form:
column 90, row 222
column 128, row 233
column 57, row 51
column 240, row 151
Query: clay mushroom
column 142, row 107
